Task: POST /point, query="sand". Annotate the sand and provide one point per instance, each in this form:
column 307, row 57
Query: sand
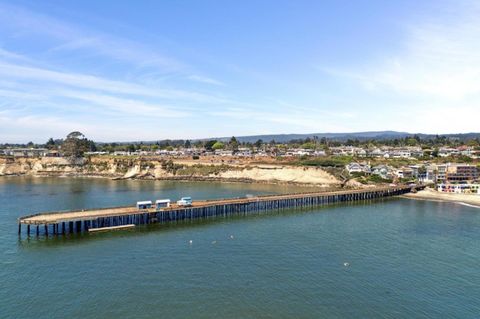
column 285, row 174
column 430, row 194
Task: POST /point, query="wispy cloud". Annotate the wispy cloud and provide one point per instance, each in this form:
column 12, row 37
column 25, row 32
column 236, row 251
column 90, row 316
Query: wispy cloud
column 125, row 105
column 439, row 57
column 14, row 71
column 204, row 79
column 303, row 121
column 72, row 38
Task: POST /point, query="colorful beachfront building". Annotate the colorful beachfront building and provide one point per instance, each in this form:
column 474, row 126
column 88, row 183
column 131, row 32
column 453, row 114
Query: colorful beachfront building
column 457, row 173
column 459, row 188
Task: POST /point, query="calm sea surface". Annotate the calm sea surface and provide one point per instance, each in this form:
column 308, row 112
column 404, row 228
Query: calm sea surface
column 395, row 258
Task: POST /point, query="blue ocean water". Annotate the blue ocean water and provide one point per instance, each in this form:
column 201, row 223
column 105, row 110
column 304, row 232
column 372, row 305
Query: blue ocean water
column 395, row 258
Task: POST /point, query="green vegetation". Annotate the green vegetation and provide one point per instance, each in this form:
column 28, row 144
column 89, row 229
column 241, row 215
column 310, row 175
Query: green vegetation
column 337, row 161
column 218, row 146
column 75, row 145
column 374, row 179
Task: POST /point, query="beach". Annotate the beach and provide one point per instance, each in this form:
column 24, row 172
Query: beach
column 430, row 194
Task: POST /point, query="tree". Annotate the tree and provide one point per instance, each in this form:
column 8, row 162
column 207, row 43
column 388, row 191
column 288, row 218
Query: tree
column 218, row 146
column 233, row 143
column 92, row 147
column 187, row 144
column 75, row 145
column 209, row 145
column 308, row 145
column 258, row 143
column 131, row 148
column 473, row 143
column 50, row 143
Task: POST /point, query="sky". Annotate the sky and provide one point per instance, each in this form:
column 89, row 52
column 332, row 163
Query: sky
column 153, row 70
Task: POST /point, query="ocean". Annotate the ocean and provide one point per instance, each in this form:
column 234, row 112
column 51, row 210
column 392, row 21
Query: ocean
column 391, row 258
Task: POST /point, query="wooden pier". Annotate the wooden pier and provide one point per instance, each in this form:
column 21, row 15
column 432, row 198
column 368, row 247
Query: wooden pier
column 58, row 223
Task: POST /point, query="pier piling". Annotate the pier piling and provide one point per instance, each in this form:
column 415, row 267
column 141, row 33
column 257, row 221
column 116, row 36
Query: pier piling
column 117, row 217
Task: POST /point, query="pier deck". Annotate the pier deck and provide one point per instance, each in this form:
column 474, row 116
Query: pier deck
column 118, row 216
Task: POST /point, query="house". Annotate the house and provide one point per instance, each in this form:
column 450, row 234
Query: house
column 244, row 152
column 121, row 153
column 401, row 154
column 376, row 153
column 26, row 152
column 466, row 151
column 319, row 153
column 96, row 153
column 383, row 171
column 223, row 152
column 427, row 175
column 446, row 152
column 357, row 168
column 405, row 172
column 361, row 152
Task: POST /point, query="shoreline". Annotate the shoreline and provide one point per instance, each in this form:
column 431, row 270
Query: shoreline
column 187, row 179
column 471, row 200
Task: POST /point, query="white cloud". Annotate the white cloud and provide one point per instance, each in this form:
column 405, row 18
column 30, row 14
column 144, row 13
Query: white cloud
column 310, row 121
column 124, row 105
column 439, row 58
column 204, row 79
column 10, row 71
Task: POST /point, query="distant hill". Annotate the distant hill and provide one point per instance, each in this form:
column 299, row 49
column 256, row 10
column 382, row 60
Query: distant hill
column 342, row 137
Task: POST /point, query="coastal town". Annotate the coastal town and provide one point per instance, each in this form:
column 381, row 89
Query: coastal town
column 447, row 166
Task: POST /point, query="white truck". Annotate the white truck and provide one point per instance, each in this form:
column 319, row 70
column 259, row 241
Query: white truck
column 185, row 201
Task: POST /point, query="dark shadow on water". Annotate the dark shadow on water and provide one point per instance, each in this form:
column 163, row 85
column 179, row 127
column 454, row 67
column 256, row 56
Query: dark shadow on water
column 75, row 239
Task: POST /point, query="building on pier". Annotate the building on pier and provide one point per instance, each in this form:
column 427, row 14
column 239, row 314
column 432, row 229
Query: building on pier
column 162, row 203
column 144, row 204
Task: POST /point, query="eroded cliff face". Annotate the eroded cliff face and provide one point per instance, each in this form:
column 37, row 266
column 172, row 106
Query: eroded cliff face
column 164, row 169
column 54, row 166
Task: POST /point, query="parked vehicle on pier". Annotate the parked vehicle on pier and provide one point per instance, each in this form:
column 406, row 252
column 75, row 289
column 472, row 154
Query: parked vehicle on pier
column 185, row 201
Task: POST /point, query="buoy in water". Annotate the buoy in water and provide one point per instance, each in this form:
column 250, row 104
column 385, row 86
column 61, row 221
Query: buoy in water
column 190, row 242
column 346, row 264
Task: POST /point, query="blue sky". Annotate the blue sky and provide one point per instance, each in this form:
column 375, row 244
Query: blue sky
column 150, row 70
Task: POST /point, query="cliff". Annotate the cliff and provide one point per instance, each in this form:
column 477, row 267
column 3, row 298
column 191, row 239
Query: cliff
column 111, row 167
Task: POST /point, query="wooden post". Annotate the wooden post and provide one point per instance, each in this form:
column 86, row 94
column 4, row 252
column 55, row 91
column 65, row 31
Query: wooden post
column 19, row 228
column 46, row 230
column 28, row 229
column 38, row 231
